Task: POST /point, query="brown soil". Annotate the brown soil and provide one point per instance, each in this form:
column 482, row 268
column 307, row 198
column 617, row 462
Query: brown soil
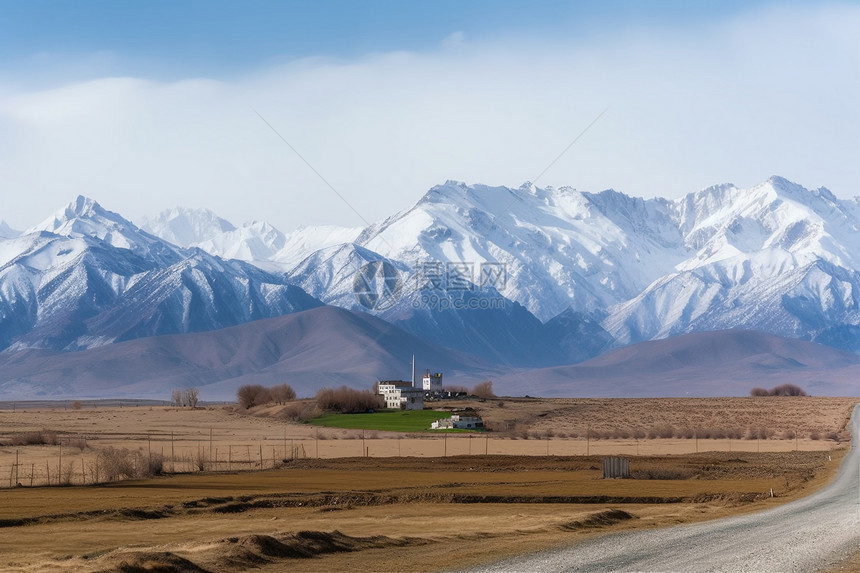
column 332, row 514
column 339, row 513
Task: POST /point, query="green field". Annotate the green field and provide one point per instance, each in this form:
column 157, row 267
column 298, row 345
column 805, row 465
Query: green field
column 391, row 421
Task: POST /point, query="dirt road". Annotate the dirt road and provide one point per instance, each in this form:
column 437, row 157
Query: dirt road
column 811, row 534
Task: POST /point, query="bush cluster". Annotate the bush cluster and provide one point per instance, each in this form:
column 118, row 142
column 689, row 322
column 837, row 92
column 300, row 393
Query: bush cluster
column 781, row 390
column 40, row 438
column 121, row 463
column 251, row 395
column 348, row 400
column 483, row 389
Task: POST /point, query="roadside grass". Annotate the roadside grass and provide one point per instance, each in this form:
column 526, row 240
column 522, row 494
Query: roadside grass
column 388, row 421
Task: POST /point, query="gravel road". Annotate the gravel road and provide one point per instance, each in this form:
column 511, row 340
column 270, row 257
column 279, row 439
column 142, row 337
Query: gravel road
column 803, row 536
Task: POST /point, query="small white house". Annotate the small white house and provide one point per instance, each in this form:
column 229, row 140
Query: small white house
column 459, row 422
column 401, row 395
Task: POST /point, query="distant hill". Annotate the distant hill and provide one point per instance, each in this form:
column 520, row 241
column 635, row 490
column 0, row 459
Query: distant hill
column 722, row 363
column 325, row 346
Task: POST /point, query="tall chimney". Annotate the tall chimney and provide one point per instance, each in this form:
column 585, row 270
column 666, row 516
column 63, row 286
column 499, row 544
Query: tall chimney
column 413, row 371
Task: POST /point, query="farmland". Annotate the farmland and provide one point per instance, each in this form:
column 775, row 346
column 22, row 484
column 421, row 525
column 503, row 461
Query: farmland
column 329, row 498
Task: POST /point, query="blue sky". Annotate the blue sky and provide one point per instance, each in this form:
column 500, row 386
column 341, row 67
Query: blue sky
column 148, row 105
column 166, row 38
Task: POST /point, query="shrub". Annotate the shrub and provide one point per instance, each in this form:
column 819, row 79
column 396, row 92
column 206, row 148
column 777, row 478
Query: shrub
column 781, row 390
column 79, row 442
column 299, row 412
column 484, row 389
column 283, row 393
column 65, row 474
column 787, row 390
column 251, row 395
column 40, row 438
column 348, row 400
column 758, row 433
column 664, row 431
column 119, row 463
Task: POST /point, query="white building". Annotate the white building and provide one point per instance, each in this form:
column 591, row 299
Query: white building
column 401, row 395
column 432, row 382
column 458, row 422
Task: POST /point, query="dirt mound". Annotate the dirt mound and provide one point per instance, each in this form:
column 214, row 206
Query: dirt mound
column 151, row 562
column 254, row 550
column 601, row 519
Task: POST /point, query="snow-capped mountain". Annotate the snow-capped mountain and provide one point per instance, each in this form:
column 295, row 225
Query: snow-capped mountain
column 305, row 241
column 186, row 227
column 83, row 217
column 558, row 248
column 7, row 232
column 776, row 257
column 526, row 275
column 256, row 242
column 87, row 277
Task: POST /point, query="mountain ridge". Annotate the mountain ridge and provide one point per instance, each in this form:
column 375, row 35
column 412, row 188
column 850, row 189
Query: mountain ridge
column 522, row 277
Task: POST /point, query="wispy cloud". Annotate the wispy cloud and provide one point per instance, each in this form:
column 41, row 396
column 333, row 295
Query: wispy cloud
column 775, row 91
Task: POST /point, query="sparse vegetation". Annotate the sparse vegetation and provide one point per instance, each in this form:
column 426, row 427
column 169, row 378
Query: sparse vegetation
column 283, row 393
column 346, row 400
column 39, row 438
column 122, row 463
column 484, row 389
column 190, row 396
column 251, row 395
column 781, row 390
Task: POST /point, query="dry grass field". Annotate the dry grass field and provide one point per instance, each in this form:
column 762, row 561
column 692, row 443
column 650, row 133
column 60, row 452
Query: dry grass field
column 341, row 499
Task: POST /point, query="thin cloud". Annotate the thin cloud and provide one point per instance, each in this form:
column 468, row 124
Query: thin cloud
column 773, row 92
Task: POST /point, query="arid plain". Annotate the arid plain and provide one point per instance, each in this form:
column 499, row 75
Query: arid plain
column 328, row 499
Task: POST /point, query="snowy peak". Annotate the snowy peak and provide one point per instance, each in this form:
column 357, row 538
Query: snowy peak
column 186, row 227
column 561, row 248
column 254, row 241
column 7, row 232
column 84, row 217
column 305, row 241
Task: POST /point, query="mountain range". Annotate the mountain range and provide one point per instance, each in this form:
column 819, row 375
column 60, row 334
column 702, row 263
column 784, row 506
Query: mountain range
column 512, row 278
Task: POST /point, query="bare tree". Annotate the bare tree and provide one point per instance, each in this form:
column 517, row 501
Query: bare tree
column 176, row 397
column 190, row 397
